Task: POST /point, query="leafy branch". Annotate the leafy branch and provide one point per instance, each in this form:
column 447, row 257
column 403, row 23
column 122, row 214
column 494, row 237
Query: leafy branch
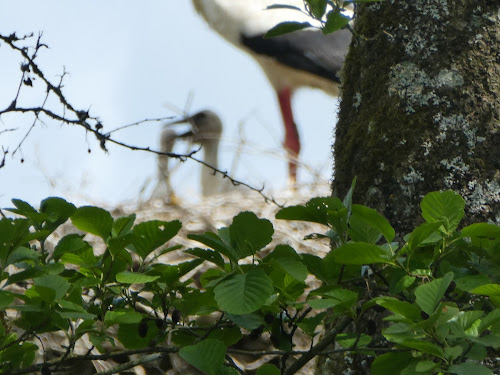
column 438, row 318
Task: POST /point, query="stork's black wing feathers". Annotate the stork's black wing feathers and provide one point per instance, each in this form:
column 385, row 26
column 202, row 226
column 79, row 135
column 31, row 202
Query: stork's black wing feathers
column 310, row 51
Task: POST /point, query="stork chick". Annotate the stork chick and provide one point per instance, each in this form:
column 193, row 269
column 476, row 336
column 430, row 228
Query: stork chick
column 206, row 130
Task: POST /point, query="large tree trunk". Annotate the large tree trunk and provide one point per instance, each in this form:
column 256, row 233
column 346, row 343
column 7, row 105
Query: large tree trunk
column 420, row 112
column 420, row 108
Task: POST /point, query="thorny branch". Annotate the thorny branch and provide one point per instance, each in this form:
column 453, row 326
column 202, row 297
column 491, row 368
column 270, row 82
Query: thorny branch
column 72, row 116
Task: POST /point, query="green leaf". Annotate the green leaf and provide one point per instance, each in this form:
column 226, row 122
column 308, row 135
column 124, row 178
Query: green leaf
column 469, row 321
column 422, row 233
column 208, row 255
column 424, row 366
column 285, row 28
column 215, row 242
column 6, row 298
column 317, row 8
column 132, row 335
column 283, row 6
column 315, row 210
column 22, row 254
column 366, row 225
column 150, row 235
column 73, row 311
column 57, row 283
column 93, row 220
column 224, row 370
column 333, row 297
column 481, row 230
column 286, row 257
column 268, row 369
column 335, row 21
column 243, row 294
column 477, row 352
column 400, row 281
column 347, row 202
column 123, row 225
column 122, row 317
column 428, row 296
column 403, row 308
column 25, row 209
column 308, row 325
column 391, row 363
column 447, row 204
column 468, row 368
column 25, row 275
column 37, row 291
column 490, row 319
column 71, row 243
column 347, row 340
column 453, row 352
column 360, row 253
column 247, row 321
column 127, row 277
column 13, row 233
column 423, row 346
column 487, row 290
column 57, row 210
column 249, row 234
column 228, row 335
column 207, row 356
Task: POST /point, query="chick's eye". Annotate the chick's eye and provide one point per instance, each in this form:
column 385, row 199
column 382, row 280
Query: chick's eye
column 200, row 116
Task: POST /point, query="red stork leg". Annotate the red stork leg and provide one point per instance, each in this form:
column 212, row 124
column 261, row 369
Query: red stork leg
column 292, row 141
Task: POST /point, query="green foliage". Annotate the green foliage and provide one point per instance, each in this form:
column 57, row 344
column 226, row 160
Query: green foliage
column 438, row 289
column 331, row 15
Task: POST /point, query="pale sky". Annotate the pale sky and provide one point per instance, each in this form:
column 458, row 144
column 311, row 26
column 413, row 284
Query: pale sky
column 125, row 62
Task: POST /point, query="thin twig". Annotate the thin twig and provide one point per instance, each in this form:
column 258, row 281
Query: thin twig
column 92, row 124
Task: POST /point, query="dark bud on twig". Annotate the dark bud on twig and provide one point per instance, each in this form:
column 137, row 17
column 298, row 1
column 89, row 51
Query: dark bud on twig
column 269, row 318
column 451, row 287
column 257, row 332
column 176, row 316
column 143, row 328
column 28, row 82
column 82, row 115
column 98, row 126
column 371, row 327
column 25, row 68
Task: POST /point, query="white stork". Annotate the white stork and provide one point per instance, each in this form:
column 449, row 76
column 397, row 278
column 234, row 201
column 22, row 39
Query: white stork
column 303, row 58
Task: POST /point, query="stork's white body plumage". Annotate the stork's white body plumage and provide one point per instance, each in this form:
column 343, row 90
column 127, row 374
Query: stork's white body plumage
column 305, row 58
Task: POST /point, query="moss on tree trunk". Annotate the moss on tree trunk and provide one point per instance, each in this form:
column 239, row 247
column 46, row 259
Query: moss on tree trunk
column 420, row 112
column 420, row 108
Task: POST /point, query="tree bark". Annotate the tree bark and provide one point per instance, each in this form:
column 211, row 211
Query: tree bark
column 420, row 108
column 420, row 112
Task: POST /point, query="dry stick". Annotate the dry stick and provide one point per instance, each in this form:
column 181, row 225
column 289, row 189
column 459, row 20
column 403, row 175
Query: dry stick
column 159, row 351
column 320, row 346
column 126, row 366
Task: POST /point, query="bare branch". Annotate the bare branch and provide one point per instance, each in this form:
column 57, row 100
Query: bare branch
column 83, row 118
